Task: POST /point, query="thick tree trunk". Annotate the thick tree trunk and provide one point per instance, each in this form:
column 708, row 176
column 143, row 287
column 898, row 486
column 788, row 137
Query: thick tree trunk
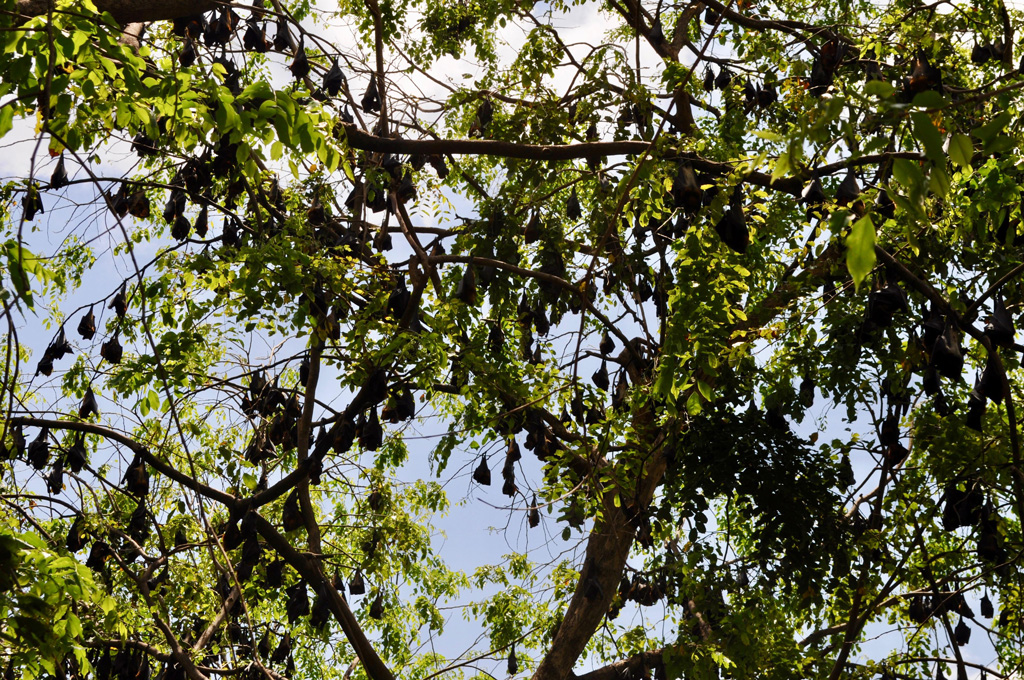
column 130, row 11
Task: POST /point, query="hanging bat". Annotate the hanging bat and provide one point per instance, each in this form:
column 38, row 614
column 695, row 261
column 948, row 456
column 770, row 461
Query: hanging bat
column 371, row 98
column 999, row 327
column 88, row 406
column 334, row 79
column 59, row 178
column 38, row 453
column 87, row 325
column 482, row 473
column 75, row 456
column 300, row 64
column 291, row 516
column 136, row 478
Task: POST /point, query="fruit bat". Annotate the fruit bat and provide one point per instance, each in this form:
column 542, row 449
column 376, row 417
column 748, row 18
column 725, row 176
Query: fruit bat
column 607, row 345
column 849, row 189
column 482, row 473
column 807, row 392
column 931, row 328
column 88, row 406
column 371, row 435
column 112, row 350
column 188, row 54
column 947, row 357
column 38, row 453
column 98, row 555
column 298, row 602
column 732, row 228
column 986, row 607
column 59, row 178
column 255, row 37
column 813, row 193
column 136, row 478
column 439, row 165
column 980, row 54
column 55, row 480
column 300, row 64
column 709, row 79
column 405, row 405
column 999, row 327
column 466, row 290
column 975, row 410
column 962, row 633
column 138, row 205
column 572, row 206
column 540, row 321
column 533, row 517
column 281, row 38
column 138, row 523
column 32, row 203
column 321, row 612
column 334, row 79
column 76, row 538
column 846, row 477
column 180, row 539
column 767, row 96
column 181, row 228
column 87, row 325
column 202, row 224
column 377, row 607
column 990, row 546
column 621, row 391
column 45, row 365
column 291, row 516
column 283, row 649
column 686, row 189
column 513, row 663
column 357, row 586
column 274, row 574
column 991, row 384
column 371, row 98
column 120, row 302
column 723, row 79
column 143, row 145
column 821, row 77
column 495, row 339
column 229, row 237
column 600, row 377
column 884, row 303
column 343, row 435
column 75, row 455
column 923, row 76
column 884, row 205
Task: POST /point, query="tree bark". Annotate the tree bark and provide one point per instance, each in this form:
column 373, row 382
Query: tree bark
column 130, row 11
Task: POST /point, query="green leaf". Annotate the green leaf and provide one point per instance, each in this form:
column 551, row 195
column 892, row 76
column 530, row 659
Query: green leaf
column 961, row 150
column 926, row 133
column 989, row 130
column 879, row 88
column 860, row 250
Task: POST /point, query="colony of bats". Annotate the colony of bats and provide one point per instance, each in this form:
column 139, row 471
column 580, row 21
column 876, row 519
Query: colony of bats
column 274, row 412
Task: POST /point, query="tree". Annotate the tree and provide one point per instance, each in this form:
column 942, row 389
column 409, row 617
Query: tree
column 725, row 272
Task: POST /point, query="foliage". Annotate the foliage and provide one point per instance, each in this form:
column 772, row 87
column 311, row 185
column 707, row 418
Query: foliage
column 706, row 284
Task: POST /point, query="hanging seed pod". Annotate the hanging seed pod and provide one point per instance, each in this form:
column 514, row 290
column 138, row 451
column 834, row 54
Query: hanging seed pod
column 59, row 178
column 87, row 325
column 111, row 350
column 88, row 406
column 482, row 473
